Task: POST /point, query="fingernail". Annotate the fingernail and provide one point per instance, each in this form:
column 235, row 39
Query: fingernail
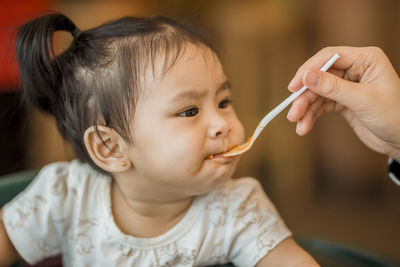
column 289, row 115
column 312, row 78
column 299, row 126
column 291, row 84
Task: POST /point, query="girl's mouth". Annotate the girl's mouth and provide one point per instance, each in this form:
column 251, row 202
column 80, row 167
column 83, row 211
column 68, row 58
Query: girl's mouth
column 219, row 156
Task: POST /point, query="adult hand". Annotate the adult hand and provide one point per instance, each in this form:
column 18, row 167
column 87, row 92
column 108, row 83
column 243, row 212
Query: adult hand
column 362, row 85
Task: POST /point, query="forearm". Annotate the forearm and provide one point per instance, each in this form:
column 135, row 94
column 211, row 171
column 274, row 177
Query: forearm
column 288, row 253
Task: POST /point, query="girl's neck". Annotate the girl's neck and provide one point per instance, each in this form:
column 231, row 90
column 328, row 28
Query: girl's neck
column 142, row 218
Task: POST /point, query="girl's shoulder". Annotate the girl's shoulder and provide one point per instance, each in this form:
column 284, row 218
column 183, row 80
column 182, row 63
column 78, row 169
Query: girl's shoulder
column 69, row 168
column 74, row 169
column 59, row 198
column 61, row 189
column 74, row 174
column 72, row 181
column 60, row 183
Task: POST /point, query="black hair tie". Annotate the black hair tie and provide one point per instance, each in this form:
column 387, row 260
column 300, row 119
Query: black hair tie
column 75, row 32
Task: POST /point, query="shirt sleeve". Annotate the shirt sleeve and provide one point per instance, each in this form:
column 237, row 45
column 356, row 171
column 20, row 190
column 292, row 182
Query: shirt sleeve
column 37, row 218
column 254, row 226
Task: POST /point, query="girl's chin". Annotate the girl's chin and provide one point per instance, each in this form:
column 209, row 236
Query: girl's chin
column 221, row 176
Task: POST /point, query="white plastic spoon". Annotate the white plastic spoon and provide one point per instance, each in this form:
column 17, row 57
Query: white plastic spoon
column 240, row 149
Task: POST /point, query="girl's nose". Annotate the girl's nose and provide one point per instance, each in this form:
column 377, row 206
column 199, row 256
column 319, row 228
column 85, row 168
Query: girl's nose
column 219, row 127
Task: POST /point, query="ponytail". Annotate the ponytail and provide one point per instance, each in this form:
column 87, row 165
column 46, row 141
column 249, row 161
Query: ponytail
column 39, row 69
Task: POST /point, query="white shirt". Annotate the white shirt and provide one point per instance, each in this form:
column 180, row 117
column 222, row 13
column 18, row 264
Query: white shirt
column 67, row 209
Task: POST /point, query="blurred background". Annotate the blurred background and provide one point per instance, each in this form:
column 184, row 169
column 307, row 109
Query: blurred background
column 326, row 184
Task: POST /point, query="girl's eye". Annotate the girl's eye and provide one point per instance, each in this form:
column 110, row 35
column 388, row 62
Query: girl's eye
column 224, row 103
column 191, row 112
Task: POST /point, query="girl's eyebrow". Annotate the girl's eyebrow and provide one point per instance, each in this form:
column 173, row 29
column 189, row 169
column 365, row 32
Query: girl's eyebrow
column 226, row 85
column 196, row 94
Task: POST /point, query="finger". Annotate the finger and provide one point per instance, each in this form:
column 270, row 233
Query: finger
column 305, row 124
column 315, row 111
column 329, row 106
column 348, row 57
column 337, row 72
column 301, row 104
column 330, row 86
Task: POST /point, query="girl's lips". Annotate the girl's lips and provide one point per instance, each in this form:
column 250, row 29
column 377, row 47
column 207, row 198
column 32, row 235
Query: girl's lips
column 220, row 155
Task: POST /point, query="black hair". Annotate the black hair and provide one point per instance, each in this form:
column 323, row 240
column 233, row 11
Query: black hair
column 96, row 80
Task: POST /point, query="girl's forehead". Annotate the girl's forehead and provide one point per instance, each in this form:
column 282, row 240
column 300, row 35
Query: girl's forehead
column 194, row 66
column 189, row 56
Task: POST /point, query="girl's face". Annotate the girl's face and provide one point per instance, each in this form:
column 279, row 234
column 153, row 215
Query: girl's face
column 181, row 119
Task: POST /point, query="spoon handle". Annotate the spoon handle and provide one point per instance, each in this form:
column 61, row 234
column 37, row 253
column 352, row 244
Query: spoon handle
column 278, row 109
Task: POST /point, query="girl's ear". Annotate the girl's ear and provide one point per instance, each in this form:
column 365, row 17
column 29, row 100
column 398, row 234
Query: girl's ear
column 107, row 149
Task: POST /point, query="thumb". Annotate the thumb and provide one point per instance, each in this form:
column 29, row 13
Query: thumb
column 333, row 87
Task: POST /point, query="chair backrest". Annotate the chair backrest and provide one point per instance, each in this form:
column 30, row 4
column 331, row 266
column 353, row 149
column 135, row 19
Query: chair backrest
column 12, row 184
